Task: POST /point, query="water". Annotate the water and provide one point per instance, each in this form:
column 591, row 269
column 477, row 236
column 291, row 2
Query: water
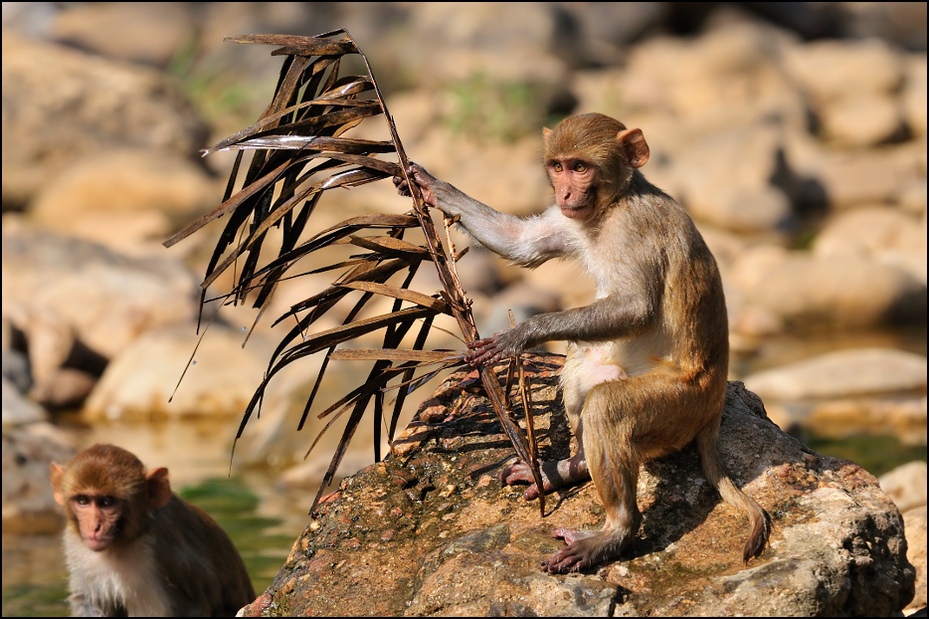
column 264, row 523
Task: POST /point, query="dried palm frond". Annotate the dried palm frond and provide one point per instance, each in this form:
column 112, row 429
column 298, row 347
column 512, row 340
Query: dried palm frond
column 299, row 151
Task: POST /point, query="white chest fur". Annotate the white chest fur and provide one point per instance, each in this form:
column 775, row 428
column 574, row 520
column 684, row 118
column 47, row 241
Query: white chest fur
column 125, row 577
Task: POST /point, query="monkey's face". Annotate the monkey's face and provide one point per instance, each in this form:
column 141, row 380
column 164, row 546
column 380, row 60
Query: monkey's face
column 575, row 185
column 98, row 519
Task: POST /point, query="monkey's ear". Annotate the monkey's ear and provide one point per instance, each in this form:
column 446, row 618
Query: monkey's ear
column 159, row 487
column 546, row 134
column 635, row 147
column 56, row 472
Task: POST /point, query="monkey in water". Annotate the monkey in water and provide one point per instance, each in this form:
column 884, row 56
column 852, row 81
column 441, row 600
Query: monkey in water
column 134, row 548
column 647, row 361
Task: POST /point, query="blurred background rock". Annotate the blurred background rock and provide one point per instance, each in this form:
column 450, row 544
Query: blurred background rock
column 795, row 133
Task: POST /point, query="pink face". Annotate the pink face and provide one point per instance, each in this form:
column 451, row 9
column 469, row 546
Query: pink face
column 575, row 187
column 97, row 519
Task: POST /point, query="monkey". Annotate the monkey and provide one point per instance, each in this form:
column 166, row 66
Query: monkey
column 135, row 548
column 646, row 364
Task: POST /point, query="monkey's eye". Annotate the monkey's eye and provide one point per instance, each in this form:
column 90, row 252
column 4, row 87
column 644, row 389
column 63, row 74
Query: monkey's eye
column 556, row 166
column 81, row 499
column 580, row 166
column 106, row 501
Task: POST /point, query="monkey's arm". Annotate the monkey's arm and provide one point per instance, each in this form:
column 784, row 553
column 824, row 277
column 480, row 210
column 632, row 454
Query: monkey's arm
column 610, row 318
column 528, row 241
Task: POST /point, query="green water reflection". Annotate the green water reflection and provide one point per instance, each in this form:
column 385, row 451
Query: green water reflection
column 34, row 601
column 876, row 454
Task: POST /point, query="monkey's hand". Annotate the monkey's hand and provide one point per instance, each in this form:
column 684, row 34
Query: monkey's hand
column 425, row 181
column 504, row 345
column 439, row 194
column 483, row 351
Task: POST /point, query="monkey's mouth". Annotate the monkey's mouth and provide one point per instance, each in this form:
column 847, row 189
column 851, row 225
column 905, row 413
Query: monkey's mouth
column 98, row 542
column 573, row 212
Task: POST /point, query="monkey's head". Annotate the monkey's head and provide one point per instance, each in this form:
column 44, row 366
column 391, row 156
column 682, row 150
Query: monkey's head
column 107, row 494
column 590, row 159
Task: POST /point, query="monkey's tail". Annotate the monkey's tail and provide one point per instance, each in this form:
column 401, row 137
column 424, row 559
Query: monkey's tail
column 715, row 473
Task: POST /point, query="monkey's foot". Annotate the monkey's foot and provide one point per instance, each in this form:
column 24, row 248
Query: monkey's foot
column 520, row 472
column 554, row 475
column 585, row 549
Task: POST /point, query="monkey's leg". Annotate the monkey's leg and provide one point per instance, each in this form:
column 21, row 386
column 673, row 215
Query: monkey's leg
column 561, row 473
column 613, row 463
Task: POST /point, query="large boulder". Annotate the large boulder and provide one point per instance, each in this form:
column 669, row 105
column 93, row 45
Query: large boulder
column 429, row 531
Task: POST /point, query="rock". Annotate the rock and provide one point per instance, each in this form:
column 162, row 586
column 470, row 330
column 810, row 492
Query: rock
column 17, row 409
column 863, row 121
column 900, row 416
column 914, row 94
column 15, row 366
column 876, row 68
column 429, row 531
column 167, row 373
column 28, row 451
column 523, row 299
column 862, row 177
column 843, row 373
column 61, row 105
column 150, row 34
column 915, row 522
column 77, row 303
column 890, row 236
column 725, row 171
column 125, row 198
column 906, row 485
column 846, row 293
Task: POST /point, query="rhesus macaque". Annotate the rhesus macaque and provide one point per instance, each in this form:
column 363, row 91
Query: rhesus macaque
column 134, row 548
column 647, row 360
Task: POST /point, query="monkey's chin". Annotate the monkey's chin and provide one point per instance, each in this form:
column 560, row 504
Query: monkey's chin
column 576, row 212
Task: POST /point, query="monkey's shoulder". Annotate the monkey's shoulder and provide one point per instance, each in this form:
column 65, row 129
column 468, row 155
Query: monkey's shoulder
column 191, row 525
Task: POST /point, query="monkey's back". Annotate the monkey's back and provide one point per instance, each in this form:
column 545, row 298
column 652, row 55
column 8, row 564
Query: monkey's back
column 663, row 243
column 214, row 581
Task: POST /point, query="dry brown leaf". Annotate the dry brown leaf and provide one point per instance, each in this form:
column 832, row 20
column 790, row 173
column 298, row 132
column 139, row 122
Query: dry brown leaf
column 285, row 162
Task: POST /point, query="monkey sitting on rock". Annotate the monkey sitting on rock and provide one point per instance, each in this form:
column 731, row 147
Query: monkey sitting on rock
column 647, row 360
column 134, row 548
